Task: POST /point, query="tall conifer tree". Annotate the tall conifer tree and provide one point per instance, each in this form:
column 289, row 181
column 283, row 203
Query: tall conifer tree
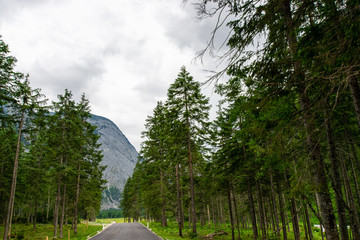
column 191, row 108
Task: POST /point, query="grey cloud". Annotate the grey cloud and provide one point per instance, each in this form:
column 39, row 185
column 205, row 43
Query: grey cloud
column 187, row 31
column 9, row 8
column 151, row 89
column 77, row 77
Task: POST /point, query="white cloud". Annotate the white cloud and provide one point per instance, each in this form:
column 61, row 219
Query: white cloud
column 122, row 54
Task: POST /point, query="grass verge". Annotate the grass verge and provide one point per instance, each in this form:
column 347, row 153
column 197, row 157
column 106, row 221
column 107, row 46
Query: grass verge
column 26, row 231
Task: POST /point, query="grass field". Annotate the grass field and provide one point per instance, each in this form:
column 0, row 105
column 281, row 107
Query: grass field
column 171, row 232
column 47, row 230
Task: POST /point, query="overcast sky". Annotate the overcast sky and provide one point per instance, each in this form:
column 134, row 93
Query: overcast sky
column 123, row 54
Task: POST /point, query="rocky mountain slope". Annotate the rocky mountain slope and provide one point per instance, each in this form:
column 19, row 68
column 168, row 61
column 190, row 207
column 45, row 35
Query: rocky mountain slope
column 120, row 158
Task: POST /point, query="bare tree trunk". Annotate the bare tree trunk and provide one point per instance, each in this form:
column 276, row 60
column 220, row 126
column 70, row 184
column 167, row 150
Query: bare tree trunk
column 353, row 168
column 163, row 201
column 295, row 219
column 182, row 208
column 77, row 200
column 192, row 193
column 48, row 206
column 208, row 214
column 277, row 227
column 231, row 215
column 56, row 208
column 336, row 180
column 236, row 214
column 35, row 213
column 353, row 174
column 251, row 199
column 319, row 213
column 179, row 205
column 308, row 222
column 355, row 93
column 305, row 226
column 355, row 225
column 262, row 212
column 282, row 215
column 213, row 213
column 61, row 223
column 7, row 228
column 219, row 213
column 252, row 210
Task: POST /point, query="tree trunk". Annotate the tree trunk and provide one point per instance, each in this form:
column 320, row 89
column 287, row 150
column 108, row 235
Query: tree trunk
column 282, row 215
column 48, row 206
column 189, row 212
column 252, row 210
column 179, row 205
column 319, row 213
column 353, row 168
column 182, row 207
column 56, row 208
column 192, row 192
column 77, row 200
column 251, row 198
column 305, row 225
column 262, row 212
column 213, row 213
column 320, row 180
column 273, row 198
column 353, row 174
column 61, row 223
column 336, row 180
column 231, row 216
column 163, row 201
column 219, row 212
column 35, row 213
column 208, row 214
column 191, row 172
column 7, row 228
column 236, row 214
column 309, row 226
column 295, row 219
column 222, row 217
column 355, row 225
column 355, row 93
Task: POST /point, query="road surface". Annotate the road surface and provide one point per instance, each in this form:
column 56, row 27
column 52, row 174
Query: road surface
column 126, row 231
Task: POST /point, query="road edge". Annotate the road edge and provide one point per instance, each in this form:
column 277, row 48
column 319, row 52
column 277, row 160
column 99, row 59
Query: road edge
column 151, row 231
column 104, row 228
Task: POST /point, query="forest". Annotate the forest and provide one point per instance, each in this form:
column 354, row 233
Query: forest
column 50, row 168
column 283, row 151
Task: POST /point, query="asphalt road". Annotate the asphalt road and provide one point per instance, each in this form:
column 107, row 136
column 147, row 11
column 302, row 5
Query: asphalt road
column 126, row 231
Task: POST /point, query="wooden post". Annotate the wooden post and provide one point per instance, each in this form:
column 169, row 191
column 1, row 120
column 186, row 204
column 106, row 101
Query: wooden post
column 47, row 238
column 68, row 234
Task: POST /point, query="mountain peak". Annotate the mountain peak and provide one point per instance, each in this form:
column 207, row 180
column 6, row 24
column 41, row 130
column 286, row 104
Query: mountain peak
column 120, row 157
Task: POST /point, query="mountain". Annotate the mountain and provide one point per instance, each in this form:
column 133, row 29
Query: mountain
column 120, row 158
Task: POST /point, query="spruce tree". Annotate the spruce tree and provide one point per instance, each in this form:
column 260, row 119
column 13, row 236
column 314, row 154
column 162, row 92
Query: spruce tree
column 190, row 108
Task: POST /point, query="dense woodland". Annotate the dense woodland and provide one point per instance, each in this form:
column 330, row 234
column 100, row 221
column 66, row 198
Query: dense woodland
column 49, row 159
column 283, row 151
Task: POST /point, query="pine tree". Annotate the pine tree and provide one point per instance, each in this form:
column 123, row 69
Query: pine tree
column 190, row 108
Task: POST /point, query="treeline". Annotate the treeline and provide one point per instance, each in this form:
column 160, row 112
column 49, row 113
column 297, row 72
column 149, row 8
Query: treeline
column 284, row 148
column 110, row 213
column 49, row 159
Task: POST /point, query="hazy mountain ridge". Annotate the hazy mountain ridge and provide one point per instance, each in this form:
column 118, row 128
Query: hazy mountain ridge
column 120, row 157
